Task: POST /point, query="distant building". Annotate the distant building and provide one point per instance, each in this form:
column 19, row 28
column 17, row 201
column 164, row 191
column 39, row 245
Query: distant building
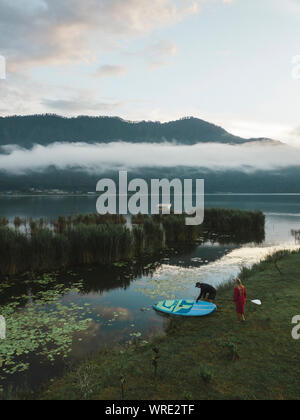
column 162, row 207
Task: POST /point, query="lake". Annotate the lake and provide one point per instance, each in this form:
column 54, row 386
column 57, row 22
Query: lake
column 62, row 318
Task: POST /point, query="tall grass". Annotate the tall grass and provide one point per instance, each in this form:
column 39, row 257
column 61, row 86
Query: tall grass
column 239, row 225
column 153, row 236
column 99, row 244
column 234, row 221
column 4, row 221
column 176, row 230
column 14, row 251
column 45, row 250
column 62, row 224
column 95, row 239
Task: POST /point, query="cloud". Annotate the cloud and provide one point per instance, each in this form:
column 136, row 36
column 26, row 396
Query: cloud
column 295, row 136
column 110, row 71
column 76, row 105
column 100, row 157
column 296, row 132
column 35, row 32
column 157, row 54
column 24, row 96
column 160, row 53
column 19, row 94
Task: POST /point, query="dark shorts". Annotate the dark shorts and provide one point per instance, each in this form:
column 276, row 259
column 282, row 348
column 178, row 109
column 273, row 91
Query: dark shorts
column 209, row 295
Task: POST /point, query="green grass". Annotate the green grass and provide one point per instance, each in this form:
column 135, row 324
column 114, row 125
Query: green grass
column 207, row 358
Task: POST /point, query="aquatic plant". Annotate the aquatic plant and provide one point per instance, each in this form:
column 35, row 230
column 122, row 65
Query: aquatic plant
column 139, row 219
column 139, row 240
column 96, row 239
column 44, row 326
column 4, row 221
column 14, row 251
column 97, row 219
column 100, row 244
column 17, row 222
column 235, row 222
column 123, row 384
column 154, row 236
column 44, row 249
column 177, row 232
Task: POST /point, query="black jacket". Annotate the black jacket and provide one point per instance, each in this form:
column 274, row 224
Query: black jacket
column 206, row 289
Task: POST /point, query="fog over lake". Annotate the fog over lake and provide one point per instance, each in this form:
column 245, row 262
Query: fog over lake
column 100, row 157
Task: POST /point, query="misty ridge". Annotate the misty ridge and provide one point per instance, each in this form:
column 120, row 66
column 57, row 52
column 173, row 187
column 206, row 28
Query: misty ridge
column 98, row 144
column 26, row 131
column 100, row 158
column 72, row 154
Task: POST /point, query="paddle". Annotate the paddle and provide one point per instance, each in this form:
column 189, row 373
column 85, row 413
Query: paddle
column 256, row 301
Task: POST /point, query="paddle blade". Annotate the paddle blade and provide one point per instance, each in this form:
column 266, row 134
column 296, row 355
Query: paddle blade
column 256, row 302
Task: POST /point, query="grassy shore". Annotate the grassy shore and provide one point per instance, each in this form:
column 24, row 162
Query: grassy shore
column 207, row 358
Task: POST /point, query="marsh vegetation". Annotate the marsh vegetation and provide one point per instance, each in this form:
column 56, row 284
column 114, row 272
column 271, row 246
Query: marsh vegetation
column 40, row 245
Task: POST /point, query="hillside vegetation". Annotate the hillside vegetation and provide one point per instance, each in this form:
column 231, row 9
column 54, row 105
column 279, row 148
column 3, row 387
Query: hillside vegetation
column 45, row 129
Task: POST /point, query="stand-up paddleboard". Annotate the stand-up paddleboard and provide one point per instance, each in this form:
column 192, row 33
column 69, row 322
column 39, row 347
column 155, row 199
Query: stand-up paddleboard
column 185, row 307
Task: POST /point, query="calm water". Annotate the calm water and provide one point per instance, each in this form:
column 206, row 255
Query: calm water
column 115, row 305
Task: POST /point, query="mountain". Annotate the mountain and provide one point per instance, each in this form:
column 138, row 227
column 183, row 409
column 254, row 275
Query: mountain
column 25, row 131
column 46, row 129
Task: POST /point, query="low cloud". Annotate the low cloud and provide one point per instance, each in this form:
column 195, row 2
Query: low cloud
column 296, row 132
column 100, row 157
column 79, row 105
column 110, row 71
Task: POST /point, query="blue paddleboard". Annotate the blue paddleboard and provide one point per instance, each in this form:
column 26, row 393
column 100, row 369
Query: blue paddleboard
column 185, row 307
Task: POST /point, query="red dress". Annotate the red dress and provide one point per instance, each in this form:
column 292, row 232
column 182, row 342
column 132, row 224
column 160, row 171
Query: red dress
column 240, row 299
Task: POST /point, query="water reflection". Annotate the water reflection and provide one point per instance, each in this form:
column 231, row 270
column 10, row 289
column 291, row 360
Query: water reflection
column 296, row 234
column 118, row 300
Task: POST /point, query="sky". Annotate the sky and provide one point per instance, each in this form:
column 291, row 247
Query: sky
column 235, row 63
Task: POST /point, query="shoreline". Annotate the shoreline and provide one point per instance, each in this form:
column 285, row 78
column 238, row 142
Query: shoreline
column 213, row 357
column 7, row 195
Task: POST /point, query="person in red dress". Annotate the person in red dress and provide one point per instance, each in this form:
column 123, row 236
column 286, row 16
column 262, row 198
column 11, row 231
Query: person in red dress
column 239, row 298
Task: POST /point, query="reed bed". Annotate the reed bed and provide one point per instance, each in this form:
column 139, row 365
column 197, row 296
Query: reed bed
column 93, row 239
column 234, row 221
column 45, row 249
